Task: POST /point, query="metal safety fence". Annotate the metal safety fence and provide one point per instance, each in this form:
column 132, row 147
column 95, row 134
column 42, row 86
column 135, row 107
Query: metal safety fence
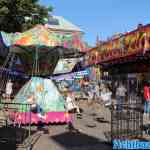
column 13, row 133
column 127, row 123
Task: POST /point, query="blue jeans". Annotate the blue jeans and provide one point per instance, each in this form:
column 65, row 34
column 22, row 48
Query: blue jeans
column 120, row 102
column 147, row 106
column 39, row 110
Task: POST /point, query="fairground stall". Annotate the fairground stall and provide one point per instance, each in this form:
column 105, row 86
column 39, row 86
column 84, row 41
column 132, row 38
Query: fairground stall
column 125, row 58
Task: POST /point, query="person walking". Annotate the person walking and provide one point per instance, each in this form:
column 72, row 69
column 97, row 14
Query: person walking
column 96, row 92
column 146, row 99
column 106, row 95
column 71, row 108
column 120, row 96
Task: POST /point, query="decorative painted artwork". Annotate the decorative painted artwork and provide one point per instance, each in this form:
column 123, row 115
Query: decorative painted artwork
column 65, row 65
column 49, row 102
column 137, row 41
column 42, row 36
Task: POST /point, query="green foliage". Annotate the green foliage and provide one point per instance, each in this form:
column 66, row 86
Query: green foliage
column 20, row 15
column 50, row 8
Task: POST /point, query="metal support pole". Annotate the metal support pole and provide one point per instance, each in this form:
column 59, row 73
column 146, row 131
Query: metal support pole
column 30, row 121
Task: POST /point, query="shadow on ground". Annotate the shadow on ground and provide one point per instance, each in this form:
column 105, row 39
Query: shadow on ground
column 101, row 120
column 70, row 140
column 93, row 125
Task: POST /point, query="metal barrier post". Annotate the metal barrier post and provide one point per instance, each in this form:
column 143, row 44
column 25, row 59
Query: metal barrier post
column 30, row 120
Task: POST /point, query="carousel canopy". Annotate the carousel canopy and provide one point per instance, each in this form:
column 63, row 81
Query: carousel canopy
column 42, row 36
column 49, row 59
column 43, row 46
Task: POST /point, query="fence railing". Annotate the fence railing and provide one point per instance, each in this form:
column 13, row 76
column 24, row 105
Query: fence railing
column 12, row 131
column 126, row 123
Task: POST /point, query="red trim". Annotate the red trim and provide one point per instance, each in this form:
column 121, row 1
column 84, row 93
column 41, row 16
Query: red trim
column 125, row 56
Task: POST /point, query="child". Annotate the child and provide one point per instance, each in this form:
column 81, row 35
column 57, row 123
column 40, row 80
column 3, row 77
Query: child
column 9, row 90
column 35, row 108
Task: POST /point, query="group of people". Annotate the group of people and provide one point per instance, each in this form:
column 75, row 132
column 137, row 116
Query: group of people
column 103, row 92
column 106, row 94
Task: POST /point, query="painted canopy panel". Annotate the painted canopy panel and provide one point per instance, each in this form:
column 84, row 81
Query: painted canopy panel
column 42, row 36
column 65, row 65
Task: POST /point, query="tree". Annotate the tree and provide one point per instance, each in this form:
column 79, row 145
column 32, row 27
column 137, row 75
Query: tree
column 20, row 15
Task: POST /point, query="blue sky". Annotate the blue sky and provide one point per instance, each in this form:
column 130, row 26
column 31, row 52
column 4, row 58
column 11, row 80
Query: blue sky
column 102, row 17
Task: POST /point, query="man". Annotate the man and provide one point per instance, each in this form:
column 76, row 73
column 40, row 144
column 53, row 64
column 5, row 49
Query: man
column 120, row 96
column 97, row 92
column 147, row 99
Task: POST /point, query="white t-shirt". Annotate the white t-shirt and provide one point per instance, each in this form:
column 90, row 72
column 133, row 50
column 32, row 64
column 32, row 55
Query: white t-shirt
column 106, row 96
column 9, row 88
column 70, row 103
column 121, row 91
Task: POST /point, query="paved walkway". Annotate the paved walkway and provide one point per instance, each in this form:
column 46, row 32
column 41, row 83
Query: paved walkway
column 90, row 136
column 92, row 128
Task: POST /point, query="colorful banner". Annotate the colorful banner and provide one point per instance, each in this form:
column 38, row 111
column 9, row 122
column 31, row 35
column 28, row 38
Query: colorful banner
column 68, row 76
column 71, row 76
column 124, row 45
column 65, row 65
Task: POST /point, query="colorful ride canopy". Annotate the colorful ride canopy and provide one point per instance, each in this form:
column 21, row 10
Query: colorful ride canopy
column 45, row 93
column 47, row 44
column 42, row 36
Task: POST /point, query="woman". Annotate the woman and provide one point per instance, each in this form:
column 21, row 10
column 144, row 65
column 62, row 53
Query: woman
column 106, row 95
column 70, row 102
column 71, row 108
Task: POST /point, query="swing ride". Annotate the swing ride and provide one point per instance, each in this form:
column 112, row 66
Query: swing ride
column 29, row 63
column 46, row 96
column 48, row 101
